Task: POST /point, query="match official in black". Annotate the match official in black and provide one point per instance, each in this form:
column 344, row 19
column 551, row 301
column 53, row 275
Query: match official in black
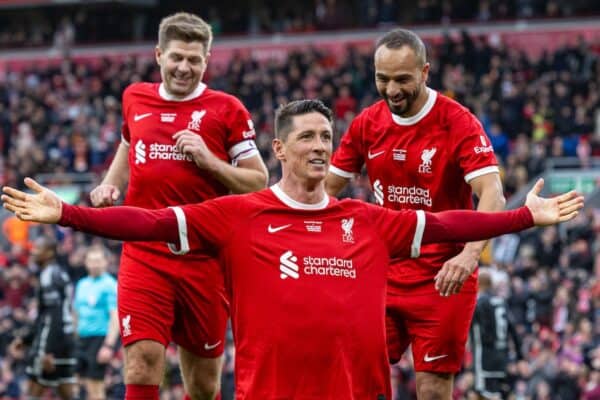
column 491, row 331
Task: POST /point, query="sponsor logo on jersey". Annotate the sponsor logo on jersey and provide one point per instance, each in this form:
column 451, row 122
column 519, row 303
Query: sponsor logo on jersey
column 289, row 266
column 158, row 151
column 378, row 192
column 484, row 148
column 167, row 117
column 140, row 152
column 399, row 154
column 196, row 119
column 126, row 325
column 426, row 156
column 313, row 226
column 409, row 195
column 347, row 225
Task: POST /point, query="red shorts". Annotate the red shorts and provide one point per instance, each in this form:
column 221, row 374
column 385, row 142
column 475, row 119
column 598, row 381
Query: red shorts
column 437, row 328
column 184, row 302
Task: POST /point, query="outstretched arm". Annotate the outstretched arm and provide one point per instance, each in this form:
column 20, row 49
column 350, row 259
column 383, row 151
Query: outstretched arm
column 460, row 226
column 121, row 223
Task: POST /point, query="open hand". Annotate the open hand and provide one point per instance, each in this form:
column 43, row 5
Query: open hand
column 42, row 206
column 553, row 210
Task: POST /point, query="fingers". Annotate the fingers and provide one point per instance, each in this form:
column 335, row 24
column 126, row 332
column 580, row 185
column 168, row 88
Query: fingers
column 537, row 188
column 33, row 185
column 568, row 217
column 14, row 202
column 451, row 277
column 183, row 132
column 104, row 195
column 567, row 196
column 14, row 193
column 570, row 207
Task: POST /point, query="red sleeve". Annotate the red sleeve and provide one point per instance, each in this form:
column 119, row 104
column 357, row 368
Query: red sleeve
column 348, row 158
column 474, row 150
column 240, row 131
column 122, row 223
column 401, row 231
column 467, row 226
column 125, row 136
column 211, row 222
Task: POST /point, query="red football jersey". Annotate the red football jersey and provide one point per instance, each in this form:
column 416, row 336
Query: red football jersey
column 160, row 175
column 422, row 162
column 307, row 286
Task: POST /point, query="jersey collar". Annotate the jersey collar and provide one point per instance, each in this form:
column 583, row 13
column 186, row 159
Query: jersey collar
column 166, row 96
column 288, row 201
column 431, row 96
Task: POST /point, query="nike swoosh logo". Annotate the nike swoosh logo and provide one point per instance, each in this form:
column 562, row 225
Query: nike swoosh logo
column 430, row 359
column 136, row 117
column 211, row 346
column 373, row 155
column 278, row 228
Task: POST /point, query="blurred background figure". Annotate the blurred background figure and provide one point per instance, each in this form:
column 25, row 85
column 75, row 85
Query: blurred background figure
column 491, row 335
column 50, row 362
column 95, row 307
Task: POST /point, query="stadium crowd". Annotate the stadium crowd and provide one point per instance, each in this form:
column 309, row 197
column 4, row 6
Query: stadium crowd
column 67, row 120
column 97, row 22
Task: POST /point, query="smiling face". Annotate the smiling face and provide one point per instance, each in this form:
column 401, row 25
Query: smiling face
column 400, row 79
column 182, row 66
column 306, row 150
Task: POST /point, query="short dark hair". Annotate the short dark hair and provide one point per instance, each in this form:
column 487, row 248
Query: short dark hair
column 285, row 114
column 47, row 243
column 398, row 38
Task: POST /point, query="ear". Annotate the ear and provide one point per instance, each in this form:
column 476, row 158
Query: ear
column 425, row 72
column 157, row 54
column 278, row 149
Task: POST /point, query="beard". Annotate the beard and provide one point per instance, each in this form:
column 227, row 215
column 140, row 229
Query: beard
column 408, row 99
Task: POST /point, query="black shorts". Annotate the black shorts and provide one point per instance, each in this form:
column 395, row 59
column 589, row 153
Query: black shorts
column 89, row 367
column 493, row 388
column 64, row 370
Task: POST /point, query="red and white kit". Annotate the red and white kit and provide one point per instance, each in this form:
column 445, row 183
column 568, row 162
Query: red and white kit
column 422, row 162
column 163, row 297
column 307, row 281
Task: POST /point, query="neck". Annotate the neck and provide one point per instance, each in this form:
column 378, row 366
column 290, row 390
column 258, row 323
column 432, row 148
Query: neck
column 308, row 192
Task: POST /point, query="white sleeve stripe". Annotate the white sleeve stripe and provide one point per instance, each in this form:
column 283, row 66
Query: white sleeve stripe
column 415, row 248
column 344, row 174
column 236, row 150
column 124, row 140
column 246, row 154
column 493, row 169
column 183, row 234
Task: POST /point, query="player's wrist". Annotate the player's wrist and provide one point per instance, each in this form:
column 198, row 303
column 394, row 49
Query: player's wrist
column 474, row 251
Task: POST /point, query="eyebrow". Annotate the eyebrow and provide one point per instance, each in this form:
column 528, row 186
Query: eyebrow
column 382, row 75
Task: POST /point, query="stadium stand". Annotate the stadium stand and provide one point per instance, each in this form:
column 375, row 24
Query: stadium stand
column 61, row 123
